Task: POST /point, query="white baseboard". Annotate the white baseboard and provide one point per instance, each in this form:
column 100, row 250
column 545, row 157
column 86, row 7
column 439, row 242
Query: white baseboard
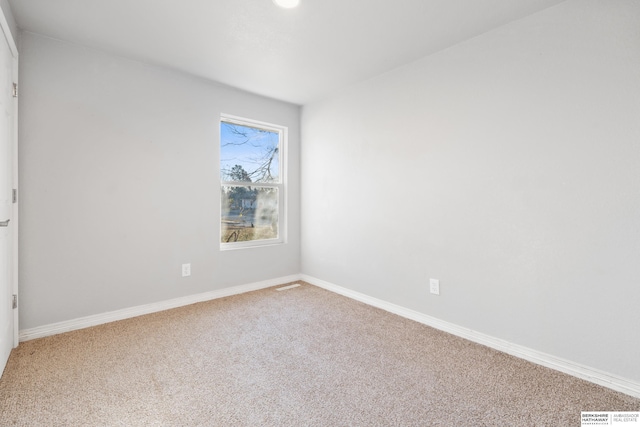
column 112, row 316
column 596, row 376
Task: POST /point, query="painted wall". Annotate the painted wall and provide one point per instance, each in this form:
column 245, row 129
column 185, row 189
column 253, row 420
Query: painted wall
column 508, row 167
column 120, row 184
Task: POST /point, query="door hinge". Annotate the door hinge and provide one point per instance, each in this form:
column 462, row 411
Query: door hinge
column 15, row 90
column 15, row 195
column 15, row 301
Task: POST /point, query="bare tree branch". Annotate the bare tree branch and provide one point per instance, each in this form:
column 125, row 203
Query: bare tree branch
column 263, row 163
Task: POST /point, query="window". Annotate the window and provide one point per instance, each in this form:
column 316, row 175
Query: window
column 252, row 182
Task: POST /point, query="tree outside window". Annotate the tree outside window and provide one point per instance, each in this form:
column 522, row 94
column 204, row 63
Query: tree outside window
column 252, row 188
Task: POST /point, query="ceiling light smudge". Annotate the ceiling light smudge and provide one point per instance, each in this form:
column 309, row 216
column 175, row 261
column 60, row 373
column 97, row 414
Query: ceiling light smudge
column 287, row 4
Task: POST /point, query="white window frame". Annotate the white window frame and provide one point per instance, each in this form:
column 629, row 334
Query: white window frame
column 282, row 132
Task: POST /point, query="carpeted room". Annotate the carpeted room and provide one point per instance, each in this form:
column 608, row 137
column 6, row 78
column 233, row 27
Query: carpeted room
column 300, row 356
column 502, row 163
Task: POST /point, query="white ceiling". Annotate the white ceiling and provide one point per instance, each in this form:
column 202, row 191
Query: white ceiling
column 297, row 55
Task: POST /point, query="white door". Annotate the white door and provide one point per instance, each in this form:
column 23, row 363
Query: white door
column 7, row 220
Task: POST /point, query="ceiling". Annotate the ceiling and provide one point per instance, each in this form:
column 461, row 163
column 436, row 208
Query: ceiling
column 296, row 55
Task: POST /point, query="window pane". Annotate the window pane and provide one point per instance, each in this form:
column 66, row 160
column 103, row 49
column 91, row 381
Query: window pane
column 249, row 154
column 249, row 213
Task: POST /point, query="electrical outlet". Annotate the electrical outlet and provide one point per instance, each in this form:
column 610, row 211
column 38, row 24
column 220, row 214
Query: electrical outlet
column 434, row 286
column 186, row 270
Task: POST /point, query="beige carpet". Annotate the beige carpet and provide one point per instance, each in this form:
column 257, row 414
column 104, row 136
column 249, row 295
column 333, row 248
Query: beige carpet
column 300, row 357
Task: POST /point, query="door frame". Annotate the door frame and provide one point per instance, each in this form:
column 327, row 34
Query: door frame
column 13, row 268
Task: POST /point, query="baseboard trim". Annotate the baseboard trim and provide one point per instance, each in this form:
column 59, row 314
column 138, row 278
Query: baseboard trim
column 595, row 376
column 112, row 316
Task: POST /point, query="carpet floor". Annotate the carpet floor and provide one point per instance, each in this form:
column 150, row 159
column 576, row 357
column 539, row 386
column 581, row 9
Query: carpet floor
column 300, row 357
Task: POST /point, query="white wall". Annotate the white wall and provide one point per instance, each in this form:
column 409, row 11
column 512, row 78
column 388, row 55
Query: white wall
column 508, row 167
column 119, row 184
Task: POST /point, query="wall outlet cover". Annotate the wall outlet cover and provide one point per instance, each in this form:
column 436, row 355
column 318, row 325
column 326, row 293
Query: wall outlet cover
column 434, row 286
column 186, row 270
